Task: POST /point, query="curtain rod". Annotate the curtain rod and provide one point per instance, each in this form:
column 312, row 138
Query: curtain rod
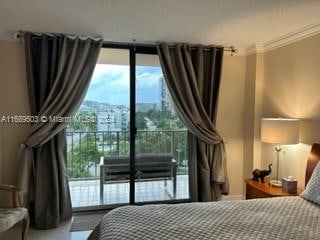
column 233, row 50
column 19, row 35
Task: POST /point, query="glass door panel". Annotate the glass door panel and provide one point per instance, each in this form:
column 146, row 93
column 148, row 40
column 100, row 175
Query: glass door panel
column 98, row 142
column 161, row 166
column 98, row 151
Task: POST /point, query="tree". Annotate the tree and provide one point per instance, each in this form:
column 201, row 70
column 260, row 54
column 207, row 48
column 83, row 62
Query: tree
column 88, row 151
column 141, row 122
column 83, row 156
column 81, row 124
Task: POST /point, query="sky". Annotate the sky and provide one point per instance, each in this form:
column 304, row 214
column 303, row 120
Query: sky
column 110, row 84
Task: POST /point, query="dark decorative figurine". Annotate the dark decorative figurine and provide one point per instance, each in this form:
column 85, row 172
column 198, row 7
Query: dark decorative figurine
column 257, row 173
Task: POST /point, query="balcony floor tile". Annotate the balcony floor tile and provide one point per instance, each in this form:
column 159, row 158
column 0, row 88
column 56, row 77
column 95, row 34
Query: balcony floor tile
column 86, row 193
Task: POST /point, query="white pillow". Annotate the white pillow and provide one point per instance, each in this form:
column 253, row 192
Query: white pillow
column 312, row 191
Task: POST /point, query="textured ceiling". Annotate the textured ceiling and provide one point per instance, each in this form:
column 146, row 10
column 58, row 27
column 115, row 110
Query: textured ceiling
column 229, row 22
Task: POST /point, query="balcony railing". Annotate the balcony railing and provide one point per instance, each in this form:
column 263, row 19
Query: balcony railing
column 84, row 149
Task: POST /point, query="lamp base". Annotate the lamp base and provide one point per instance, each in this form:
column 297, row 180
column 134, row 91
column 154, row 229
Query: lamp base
column 275, row 183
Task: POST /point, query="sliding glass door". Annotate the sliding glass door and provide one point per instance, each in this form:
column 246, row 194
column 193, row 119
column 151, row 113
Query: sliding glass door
column 96, row 176
column 134, row 148
column 161, row 139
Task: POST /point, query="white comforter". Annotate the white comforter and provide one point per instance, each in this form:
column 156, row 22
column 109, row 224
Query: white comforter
column 273, row 218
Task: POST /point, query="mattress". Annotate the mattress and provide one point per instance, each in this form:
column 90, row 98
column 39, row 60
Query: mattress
column 271, row 218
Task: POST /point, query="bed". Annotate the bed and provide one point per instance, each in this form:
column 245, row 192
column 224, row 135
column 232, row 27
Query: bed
column 279, row 218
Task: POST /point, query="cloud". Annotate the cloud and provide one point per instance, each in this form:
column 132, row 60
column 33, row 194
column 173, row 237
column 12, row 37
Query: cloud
column 111, row 74
column 110, row 84
column 147, row 77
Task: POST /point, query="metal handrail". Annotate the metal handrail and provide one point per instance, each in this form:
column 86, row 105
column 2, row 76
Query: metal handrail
column 86, row 147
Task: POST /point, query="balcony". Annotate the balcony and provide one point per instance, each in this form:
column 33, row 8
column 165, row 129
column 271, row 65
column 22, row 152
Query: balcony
column 84, row 150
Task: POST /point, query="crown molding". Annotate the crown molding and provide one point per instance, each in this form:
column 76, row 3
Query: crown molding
column 301, row 33
column 254, row 48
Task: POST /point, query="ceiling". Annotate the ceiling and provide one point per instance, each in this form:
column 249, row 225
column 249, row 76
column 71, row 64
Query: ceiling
column 228, row 22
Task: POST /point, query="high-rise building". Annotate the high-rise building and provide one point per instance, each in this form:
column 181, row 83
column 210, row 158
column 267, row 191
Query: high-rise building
column 165, row 100
column 145, row 107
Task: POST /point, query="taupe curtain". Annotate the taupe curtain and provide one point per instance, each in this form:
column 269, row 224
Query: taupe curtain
column 59, row 69
column 193, row 77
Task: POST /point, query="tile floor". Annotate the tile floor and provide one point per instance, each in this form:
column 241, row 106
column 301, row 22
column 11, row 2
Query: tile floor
column 61, row 233
column 87, row 192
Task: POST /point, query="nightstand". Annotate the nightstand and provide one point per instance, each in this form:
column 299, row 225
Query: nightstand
column 255, row 189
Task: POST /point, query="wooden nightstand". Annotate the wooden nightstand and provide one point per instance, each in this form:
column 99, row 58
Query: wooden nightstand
column 255, row 189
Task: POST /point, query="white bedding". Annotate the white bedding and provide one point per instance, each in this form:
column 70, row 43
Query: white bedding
column 272, row 218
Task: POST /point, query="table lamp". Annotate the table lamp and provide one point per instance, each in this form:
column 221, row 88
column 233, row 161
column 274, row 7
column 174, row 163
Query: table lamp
column 279, row 131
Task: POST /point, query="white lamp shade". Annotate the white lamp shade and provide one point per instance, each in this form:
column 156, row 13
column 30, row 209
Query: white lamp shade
column 280, row 131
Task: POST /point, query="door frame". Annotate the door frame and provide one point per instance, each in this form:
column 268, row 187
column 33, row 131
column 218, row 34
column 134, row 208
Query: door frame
column 134, row 49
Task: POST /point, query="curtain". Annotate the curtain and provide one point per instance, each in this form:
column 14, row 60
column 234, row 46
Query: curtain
column 59, row 69
column 193, row 77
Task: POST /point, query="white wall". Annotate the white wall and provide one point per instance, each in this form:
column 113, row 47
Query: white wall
column 291, row 89
column 13, row 101
column 230, row 120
